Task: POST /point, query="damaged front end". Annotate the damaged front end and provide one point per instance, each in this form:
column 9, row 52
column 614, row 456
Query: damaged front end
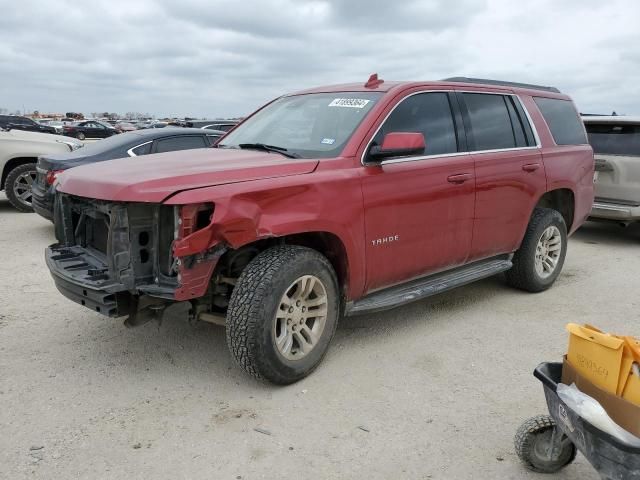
column 122, row 258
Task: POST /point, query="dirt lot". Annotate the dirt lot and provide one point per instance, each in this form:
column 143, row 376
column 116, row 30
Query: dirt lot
column 434, row 390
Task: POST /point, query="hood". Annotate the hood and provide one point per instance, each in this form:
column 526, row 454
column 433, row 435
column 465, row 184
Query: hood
column 152, row 178
column 37, row 137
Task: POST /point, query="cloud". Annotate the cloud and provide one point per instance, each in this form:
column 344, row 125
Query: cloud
column 220, row 58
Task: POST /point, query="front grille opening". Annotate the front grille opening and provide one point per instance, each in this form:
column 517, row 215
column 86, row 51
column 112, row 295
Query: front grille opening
column 144, row 255
column 99, row 234
column 143, row 239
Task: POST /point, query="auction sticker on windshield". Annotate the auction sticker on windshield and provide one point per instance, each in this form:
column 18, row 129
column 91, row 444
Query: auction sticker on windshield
column 349, row 102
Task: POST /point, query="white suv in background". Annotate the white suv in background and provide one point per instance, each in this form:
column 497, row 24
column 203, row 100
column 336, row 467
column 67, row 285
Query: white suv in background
column 19, row 151
column 616, row 145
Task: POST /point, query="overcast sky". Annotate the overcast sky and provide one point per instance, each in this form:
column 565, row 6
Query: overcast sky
column 225, row 58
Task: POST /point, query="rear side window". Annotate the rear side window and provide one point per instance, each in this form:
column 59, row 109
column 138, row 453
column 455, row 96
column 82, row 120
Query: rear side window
column 426, row 113
column 179, row 143
column 563, row 121
column 614, row 139
column 490, row 120
column 142, row 149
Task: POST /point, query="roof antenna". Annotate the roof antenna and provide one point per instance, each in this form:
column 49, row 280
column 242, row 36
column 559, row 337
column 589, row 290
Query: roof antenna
column 373, row 81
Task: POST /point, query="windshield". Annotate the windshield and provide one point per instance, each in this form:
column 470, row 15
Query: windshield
column 316, row 125
column 614, row 139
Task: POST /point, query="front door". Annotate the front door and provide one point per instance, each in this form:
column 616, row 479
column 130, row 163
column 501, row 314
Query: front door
column 419, row 210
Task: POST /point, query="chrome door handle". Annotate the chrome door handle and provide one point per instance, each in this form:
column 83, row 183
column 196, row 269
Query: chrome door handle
column 530, row 167
column 459, row 178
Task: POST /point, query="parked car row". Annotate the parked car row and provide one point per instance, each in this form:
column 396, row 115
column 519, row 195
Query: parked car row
column 102, row 129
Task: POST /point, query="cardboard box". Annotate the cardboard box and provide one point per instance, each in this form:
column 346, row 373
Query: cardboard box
column 631, row 389
column 621, row 411
column 599, row 357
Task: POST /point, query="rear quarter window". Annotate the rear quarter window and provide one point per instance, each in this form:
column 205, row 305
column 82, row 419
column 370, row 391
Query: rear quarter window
column 614, row 139
column 563, row 120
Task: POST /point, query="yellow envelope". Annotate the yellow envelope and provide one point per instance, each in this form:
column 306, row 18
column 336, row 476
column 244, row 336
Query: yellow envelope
column 597, row 356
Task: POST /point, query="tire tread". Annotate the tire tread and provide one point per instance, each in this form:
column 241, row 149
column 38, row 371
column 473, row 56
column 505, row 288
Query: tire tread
column 244, row 311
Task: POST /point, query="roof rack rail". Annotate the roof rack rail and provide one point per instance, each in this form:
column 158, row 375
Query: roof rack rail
column 501, row 83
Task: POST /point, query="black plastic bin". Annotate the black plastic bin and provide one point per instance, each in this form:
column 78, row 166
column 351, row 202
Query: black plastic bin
column 548, row 443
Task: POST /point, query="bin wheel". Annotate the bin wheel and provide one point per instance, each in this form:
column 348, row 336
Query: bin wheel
column 535, row 442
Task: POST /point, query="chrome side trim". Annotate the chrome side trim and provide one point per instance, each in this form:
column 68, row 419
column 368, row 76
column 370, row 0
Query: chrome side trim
column 612, row 207
column 530, row 120
column 415, row 159
column 453, row 154
column 130, row 151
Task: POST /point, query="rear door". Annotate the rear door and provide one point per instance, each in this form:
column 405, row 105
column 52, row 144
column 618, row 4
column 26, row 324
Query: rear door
column 509, row 170
column 617, row 154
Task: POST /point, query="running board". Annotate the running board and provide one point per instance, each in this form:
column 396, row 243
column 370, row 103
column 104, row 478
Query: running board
column 427, row 286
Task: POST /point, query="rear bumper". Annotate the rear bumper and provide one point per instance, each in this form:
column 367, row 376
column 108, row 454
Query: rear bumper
column 42, row 201
column 615, row 211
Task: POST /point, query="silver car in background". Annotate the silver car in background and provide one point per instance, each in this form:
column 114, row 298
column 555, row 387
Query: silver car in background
column 616, row 145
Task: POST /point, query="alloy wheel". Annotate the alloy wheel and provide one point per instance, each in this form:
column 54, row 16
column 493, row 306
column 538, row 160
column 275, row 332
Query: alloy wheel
column 301, row 317
column 22, row 187
column 548, row 251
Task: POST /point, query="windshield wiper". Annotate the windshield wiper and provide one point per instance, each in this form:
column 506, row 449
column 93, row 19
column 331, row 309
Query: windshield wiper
column 268, row 148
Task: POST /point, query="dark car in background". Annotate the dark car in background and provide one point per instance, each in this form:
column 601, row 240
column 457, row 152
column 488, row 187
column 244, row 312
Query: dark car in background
column 15, row 122
column 89, row 129
column 130, row 144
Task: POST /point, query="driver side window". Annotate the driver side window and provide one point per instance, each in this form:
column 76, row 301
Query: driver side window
column 426, row 113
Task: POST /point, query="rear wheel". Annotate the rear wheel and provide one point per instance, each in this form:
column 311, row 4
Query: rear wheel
column 539, row 261
column 542, row 447
column 283, row 313
column 17, row 186
column 80, row 136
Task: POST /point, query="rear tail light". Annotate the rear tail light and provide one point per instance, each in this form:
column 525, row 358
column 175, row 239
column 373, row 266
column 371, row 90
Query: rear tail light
column 52, row 175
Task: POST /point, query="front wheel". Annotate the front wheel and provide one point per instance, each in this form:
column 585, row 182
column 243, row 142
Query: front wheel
column 283, row 313
column 542, row 447
column 17, row 186
column 538, row 262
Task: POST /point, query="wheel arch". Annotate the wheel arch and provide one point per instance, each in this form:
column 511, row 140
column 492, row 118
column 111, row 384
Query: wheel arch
column 13, row 163
column 563, row 201
column 324, row 242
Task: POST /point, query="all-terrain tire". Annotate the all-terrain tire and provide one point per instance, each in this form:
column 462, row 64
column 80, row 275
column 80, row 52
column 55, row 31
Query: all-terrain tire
column 523, row 274
column 252, row 311
column 532, row 439
column 9, row 187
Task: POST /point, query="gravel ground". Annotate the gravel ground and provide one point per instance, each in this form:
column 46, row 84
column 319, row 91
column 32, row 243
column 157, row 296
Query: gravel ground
column 434, row 390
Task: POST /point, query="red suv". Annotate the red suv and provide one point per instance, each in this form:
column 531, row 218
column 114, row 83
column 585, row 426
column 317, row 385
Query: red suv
column 339, row 200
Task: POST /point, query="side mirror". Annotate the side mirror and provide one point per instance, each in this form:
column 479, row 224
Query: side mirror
column 398, row 144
